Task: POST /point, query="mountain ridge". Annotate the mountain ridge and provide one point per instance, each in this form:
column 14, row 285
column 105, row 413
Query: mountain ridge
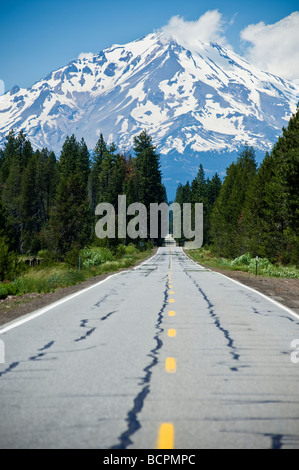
column 193, row 102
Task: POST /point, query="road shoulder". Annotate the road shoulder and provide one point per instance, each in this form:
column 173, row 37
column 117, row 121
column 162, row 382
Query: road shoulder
column 282, row 290
column 13, row 307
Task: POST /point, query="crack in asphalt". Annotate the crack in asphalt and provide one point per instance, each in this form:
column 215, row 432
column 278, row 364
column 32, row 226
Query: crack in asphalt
column 38, row 356
column 230, row 341
column 133, row 423
column 9, row 368
column 88, row 333
column 41, row 354
column 84, row 322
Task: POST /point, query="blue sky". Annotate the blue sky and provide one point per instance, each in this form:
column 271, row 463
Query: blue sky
column 39, row 36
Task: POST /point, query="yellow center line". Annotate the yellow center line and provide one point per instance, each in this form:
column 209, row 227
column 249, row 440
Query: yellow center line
column 166, row 436
column 171, row 332
column 170, row 365
column 166, row 430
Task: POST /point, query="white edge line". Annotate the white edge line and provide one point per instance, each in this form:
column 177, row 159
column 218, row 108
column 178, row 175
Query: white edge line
column 278, row 304
column 197, row 264
column 43, row 310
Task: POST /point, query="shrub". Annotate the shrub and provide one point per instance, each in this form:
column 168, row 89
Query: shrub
column 243, row 260
column 10, row 265
column 130, row 249
column 71, row 257
column 95, row 256
column 120, row 251
column 7, row 289
column 263, row 263
column 48, row 258
column 3, row 292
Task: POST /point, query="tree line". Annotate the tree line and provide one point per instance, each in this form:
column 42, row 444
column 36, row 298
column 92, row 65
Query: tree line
column 49, row 204
column 255, row 209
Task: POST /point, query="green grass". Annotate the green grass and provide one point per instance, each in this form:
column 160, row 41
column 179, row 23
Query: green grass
column 244, row 263
column 95, row 262
column 48, row 279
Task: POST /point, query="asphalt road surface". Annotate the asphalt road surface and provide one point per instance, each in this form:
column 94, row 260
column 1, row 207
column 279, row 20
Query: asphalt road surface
column 166, row 355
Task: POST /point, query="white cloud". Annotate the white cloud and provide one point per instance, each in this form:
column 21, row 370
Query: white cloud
column 275, row 47
column 208, row 28
column 85, row 55
column 2, row 88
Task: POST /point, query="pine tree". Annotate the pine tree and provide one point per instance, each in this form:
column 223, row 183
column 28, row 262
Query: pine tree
column 148, row 176
column 70, row 224
column 30, row 208
column 117, row 178
column 15, row 156
column 130, row 183
column 47, row 182
column 272, row 206
column 213, row 188
column 11, row 202
column 96, row 167
column 203, row 191
column 199, row 187
column 227, row 224
column 83, row 164
column 105, row 175
column 183, row 195
column 69, row 227
column 258, row 218
column 148, row 171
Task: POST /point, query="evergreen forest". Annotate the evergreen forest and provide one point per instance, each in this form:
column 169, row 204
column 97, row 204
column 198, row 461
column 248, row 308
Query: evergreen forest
column 47, row 202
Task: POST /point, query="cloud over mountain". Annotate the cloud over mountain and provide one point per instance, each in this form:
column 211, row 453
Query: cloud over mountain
column 208, row 28
column 274, row 47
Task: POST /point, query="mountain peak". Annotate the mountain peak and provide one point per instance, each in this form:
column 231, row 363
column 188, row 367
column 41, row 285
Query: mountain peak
column 190, row 100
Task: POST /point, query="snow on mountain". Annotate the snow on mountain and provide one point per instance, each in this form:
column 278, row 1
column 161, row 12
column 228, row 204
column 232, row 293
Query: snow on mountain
column 190, row 102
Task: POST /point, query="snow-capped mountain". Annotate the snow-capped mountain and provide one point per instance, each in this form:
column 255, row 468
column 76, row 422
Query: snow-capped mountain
column 189, row 101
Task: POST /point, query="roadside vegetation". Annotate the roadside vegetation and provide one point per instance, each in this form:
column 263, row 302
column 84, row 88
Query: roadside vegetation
column 51, row 275
column 47, row 210
column 244, row 263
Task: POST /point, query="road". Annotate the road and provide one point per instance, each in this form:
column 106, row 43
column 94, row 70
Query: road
column 166, row 355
